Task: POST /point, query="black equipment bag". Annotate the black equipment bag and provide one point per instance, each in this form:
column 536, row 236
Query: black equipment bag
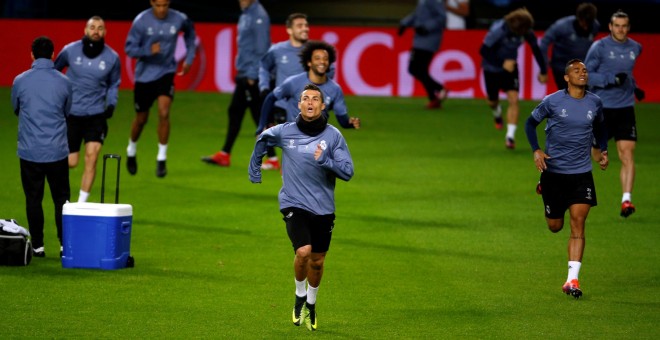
column 15, row 247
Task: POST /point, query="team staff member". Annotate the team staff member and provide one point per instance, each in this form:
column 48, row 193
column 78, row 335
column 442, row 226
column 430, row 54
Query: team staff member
column 41, row 97
column 314, row 155
column 95, row 71
column 570, row 38
column 565, row 165
column 316, row 57
column 611, row 61
column 152, row 40
column 253, row 41
column 499, row 52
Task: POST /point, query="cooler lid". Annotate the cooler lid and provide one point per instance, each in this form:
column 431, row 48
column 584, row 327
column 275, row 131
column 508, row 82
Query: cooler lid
column 97, row 209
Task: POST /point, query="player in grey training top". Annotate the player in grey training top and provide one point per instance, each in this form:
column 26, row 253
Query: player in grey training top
column 152, row 40
column 570, row 38
column 565, row 165
column 314, row 155
column 95, row 71
column 611, row 61
column 316, row 57
column 500, row 52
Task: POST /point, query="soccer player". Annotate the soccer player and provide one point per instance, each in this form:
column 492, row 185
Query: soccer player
column 253, row 41
column 428, row 20
column 570, row 38
column 152, row 40
column 41, row 97
column 566, row 180
column 499, row 52
column 316, row 58
column 314, row 155
column 280, row 62
column 611, row 61
column 95, row 71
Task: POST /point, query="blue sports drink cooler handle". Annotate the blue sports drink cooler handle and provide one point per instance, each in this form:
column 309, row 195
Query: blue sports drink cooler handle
column 125, row 227
column 105, row 157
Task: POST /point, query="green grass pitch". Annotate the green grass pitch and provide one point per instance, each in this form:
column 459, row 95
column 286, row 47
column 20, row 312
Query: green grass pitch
column 439, row 235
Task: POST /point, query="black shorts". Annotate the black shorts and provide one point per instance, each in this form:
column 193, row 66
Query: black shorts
column 306, row 228
column 496, row 81
column 560, row 191
column 145, row 94
column 621, row 123
column 88, row 128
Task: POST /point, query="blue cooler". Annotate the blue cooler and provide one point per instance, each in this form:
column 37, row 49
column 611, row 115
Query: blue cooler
column 96, row 235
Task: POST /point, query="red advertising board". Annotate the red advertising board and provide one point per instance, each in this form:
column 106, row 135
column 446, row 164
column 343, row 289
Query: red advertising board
column 371, row 61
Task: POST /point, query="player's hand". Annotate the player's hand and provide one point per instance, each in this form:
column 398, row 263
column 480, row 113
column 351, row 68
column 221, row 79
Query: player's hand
column 355, row 121
column 542, row 78
column 184, row 70
column 509, row 65
column 604, row 160
column 155, row 48
column 421, row 30
column 401, row 30
column 539, row 160
column 640, row 94
column 109, row 111
column 620, row 78
column 318, row 152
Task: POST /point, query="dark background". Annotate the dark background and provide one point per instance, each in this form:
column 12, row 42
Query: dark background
column 333, row 12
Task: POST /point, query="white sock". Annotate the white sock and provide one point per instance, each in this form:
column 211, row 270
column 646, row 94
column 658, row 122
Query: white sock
column 301, row 288
column 311, row 295
column 573, row 270
column 131, row 150
column 626, row 197
column 82, row 196
column 497, row 112
column 162, row 152
column 511, row 131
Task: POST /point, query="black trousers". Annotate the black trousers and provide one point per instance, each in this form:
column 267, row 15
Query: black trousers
column 245, row 96
column 418, row 66
column 33, row 176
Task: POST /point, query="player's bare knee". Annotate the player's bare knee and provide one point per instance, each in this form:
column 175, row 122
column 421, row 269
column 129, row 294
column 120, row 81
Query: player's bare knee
column 304, row 252
column 555, row 225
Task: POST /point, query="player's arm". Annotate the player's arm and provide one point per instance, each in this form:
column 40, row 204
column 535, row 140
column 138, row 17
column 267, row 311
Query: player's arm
column 336, row 158
column 62, row 60
column 538, row 55
column 188, row 29
column 600, row 134
column 266, row 109
column 266, row 139
column 135, row 47
column 598, row 78
column 112, row 95
column 266, row 67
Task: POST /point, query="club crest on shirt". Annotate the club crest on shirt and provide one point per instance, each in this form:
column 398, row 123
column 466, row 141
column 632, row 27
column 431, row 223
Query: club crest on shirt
column 150, row 31
column 563, row 113
column 78, row 61
column 102, row 65
column 285, row 60
column 172, row 29
column 291, row 144
column 590, row 115
column 323, row 145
